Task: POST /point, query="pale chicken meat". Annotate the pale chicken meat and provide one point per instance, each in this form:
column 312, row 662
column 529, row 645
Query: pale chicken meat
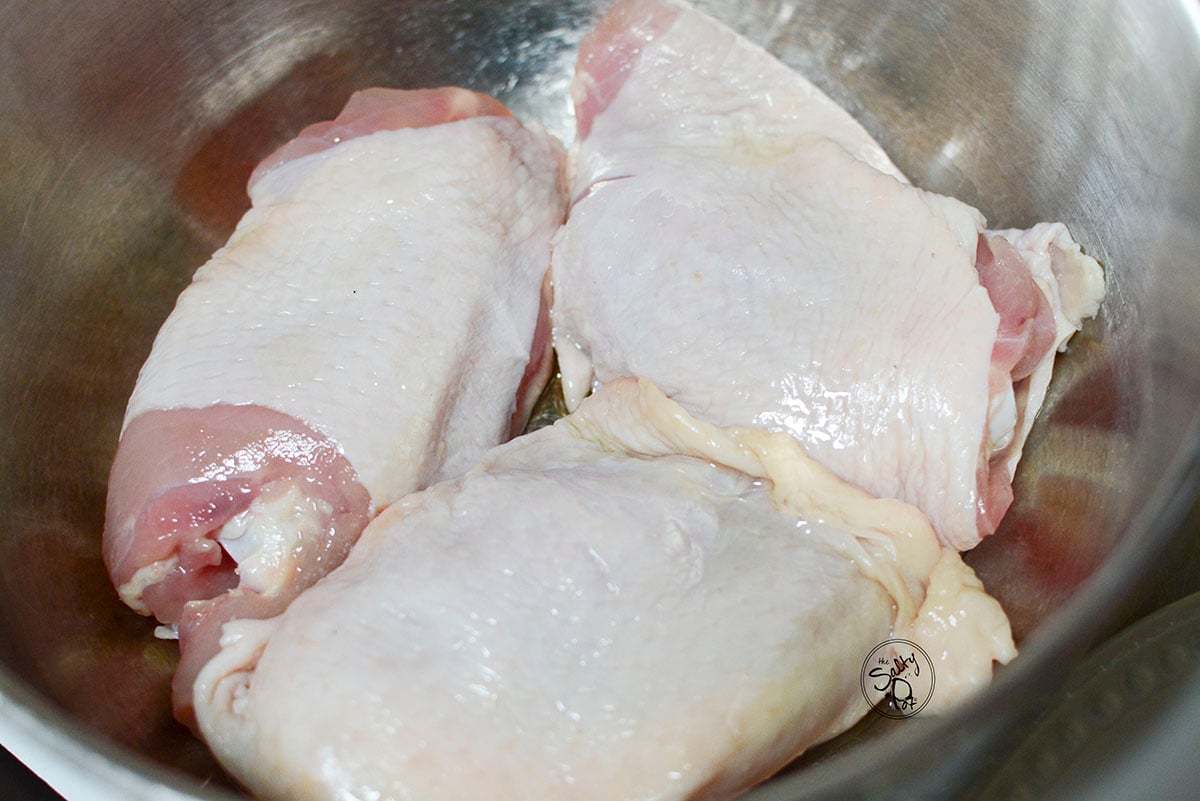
column 630, row 604
column 376, row 322
column 739, row 240
column 799, row 387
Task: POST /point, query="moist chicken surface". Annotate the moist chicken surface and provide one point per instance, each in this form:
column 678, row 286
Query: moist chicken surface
column 742, row 242
column 630, row 604
column 374, row 325
column 799, row 386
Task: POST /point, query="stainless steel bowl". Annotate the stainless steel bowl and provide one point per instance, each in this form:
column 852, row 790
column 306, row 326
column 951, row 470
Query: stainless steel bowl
column 129, row 129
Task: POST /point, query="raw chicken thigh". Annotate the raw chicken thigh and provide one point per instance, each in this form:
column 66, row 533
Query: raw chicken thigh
column 742, row 242
column 342, row 350
column 799, row 386
column 631, row 604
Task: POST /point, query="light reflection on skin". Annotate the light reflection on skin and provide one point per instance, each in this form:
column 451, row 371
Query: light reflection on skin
column 289, row 446
column 814, row 413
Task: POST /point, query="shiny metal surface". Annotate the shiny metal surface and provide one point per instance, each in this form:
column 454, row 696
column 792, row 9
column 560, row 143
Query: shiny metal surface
column 1144, row 681
column 129, row 129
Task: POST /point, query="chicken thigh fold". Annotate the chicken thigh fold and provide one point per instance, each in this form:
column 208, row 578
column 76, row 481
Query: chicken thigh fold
column 630, row 604
column 738, row 239
column 342, row 350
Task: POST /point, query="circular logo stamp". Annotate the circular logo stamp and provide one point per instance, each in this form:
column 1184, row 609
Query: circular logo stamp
column 897, row 679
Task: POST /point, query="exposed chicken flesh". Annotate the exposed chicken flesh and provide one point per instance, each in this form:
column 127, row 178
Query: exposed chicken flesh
column 655, row 598
column 631, row 604
column 341, row 351
column 739, row 240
